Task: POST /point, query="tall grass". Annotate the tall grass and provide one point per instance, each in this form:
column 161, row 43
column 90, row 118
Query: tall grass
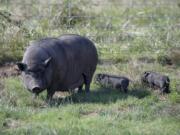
column 142, row 28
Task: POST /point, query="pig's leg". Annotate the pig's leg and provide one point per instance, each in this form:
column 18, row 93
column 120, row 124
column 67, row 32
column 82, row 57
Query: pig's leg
column 87, row 81
column 87, row 87
column 80, row 88
column 50, row 94
column 125, row 90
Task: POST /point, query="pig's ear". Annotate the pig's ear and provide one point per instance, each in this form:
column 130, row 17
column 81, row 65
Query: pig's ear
column 47, row 61
column 21, row 66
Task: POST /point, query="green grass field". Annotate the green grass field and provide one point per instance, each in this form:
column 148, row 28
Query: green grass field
column 129, row 40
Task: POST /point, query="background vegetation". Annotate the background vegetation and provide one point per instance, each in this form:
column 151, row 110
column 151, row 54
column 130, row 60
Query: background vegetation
column 131, row 36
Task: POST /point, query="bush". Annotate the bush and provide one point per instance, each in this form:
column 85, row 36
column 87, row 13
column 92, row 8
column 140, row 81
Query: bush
column 164, row 60
column 69, row 15
column 174, row 55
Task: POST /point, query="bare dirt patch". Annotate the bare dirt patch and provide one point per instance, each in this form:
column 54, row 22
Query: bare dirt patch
column 146, row 59
column 8, row 70
column 89, row 114
column 11, row 123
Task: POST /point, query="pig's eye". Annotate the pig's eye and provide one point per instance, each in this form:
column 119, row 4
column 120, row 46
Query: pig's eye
column 39, row 71
column 34, row 71
column 27, row 73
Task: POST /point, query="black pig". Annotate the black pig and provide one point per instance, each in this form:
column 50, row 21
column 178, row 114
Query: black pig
column 112, row 81
column 57, row 64
column 154, row 79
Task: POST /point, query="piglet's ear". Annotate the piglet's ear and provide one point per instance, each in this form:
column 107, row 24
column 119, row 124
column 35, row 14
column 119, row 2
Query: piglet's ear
column 102, row 76
column 47, row 61
column 146, row 73
column 21, row 66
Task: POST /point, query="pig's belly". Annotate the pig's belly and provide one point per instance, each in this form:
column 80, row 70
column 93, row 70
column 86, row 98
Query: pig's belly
column 77, row 83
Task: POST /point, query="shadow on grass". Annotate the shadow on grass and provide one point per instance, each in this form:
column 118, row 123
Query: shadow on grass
column 101, row 95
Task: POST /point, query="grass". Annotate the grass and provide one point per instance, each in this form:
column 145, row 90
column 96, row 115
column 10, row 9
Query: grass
column 103, row 111
column 129, row 40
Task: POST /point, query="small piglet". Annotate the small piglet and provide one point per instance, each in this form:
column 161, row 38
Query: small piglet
column 154, row 79
column 112, row 81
